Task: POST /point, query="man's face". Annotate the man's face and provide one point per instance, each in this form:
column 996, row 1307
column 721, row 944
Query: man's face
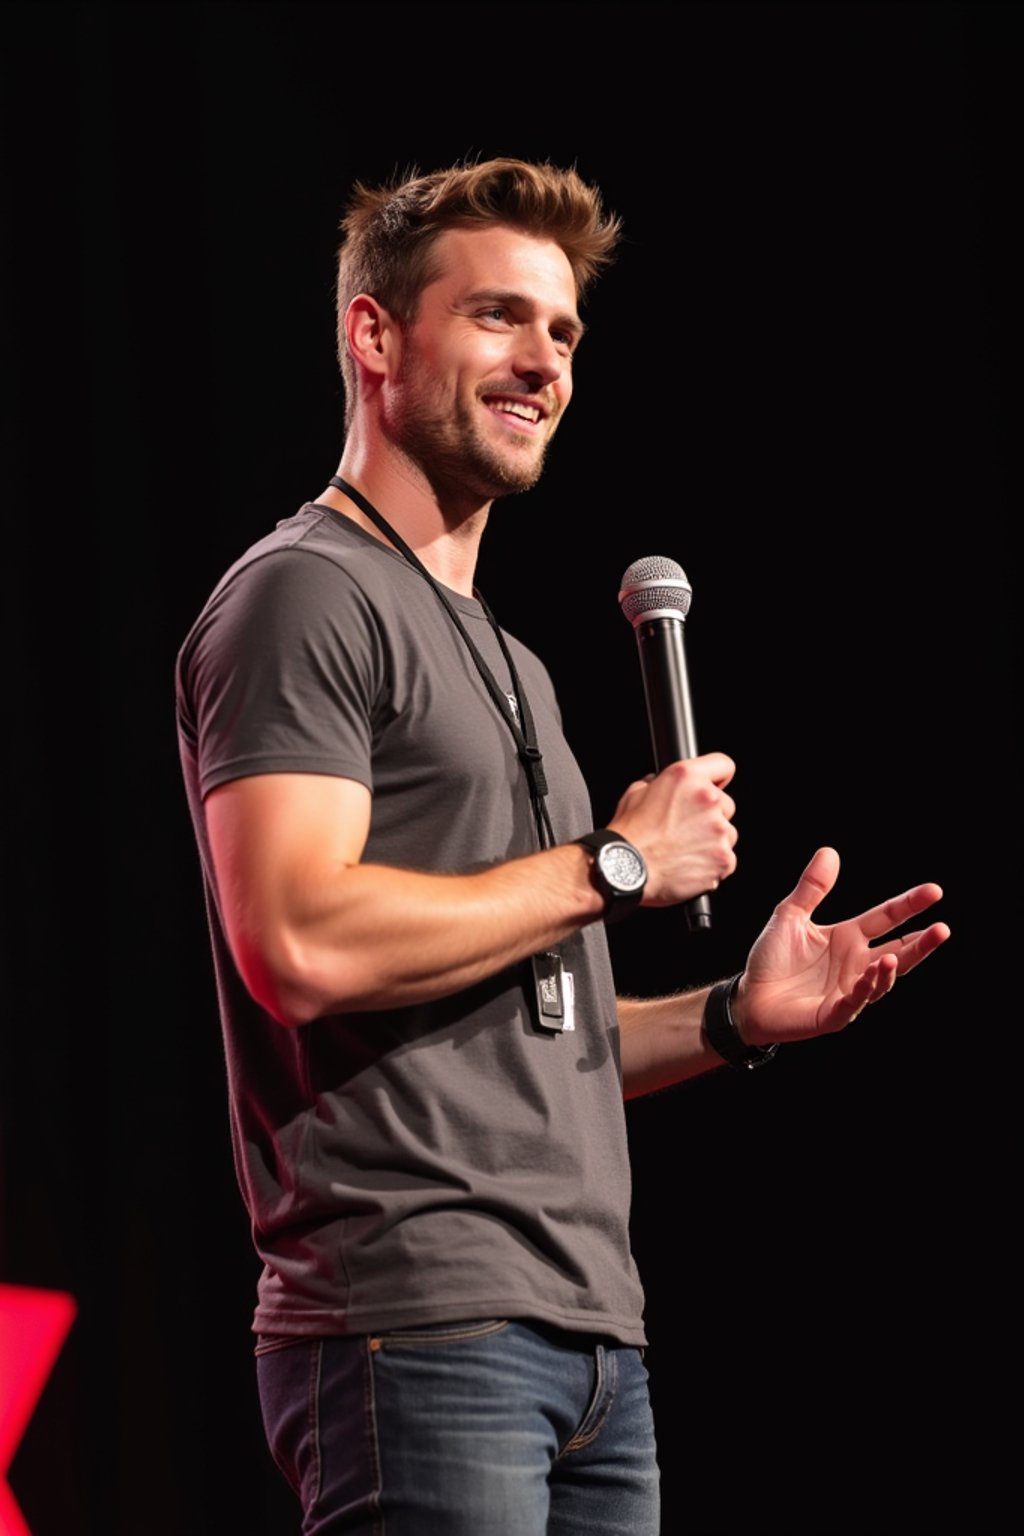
column 485, row 369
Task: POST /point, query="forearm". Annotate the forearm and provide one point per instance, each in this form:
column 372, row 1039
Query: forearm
column 372, row 937
column 315, row 930
column 661, row 1041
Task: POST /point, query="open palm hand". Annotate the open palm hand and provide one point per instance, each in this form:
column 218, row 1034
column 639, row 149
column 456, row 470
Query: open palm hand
column 803, row 979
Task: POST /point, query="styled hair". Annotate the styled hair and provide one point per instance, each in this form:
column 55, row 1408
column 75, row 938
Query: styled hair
column 389, row 233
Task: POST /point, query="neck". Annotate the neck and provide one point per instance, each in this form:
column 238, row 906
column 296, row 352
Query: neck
column 443, row 529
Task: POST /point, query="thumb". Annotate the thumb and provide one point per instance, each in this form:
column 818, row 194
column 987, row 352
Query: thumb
column 817, row 880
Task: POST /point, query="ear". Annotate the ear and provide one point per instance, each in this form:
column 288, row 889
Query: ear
column 373, row 335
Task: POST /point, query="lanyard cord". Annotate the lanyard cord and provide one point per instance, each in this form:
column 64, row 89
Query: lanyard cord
column 525, row 736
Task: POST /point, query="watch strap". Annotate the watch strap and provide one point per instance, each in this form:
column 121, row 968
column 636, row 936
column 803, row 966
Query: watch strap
column 719, row 1029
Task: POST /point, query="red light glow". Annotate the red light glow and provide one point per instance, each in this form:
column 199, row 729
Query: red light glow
column 33, row 1327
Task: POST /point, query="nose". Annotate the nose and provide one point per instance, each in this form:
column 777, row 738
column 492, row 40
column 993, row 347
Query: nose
column 538, row 360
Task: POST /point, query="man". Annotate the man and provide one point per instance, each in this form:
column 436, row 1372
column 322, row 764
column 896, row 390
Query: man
column 426, row 1058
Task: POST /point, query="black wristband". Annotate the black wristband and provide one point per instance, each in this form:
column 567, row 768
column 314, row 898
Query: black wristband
column 719, row 1029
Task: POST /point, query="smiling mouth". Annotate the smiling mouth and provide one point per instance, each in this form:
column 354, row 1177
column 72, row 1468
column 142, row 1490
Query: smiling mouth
column 520, row 409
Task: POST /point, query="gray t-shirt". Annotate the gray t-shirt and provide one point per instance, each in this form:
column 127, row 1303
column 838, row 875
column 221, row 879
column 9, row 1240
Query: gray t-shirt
column 429, row 1163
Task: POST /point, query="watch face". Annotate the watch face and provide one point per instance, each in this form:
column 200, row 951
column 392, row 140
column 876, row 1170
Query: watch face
column 622, row 866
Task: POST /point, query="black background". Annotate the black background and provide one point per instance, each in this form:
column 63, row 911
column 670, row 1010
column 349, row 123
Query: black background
column 797, row 384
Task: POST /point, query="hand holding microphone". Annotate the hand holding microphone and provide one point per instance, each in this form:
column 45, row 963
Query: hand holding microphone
column 655, row 597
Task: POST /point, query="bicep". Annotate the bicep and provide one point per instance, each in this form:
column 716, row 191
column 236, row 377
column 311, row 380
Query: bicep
column 279, row 842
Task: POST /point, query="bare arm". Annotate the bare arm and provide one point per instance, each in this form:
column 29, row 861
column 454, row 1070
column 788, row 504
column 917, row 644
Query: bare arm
column 661, row 1041
column 314, row 930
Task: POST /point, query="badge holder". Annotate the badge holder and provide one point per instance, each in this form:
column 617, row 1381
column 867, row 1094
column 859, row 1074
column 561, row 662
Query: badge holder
column 554, row 989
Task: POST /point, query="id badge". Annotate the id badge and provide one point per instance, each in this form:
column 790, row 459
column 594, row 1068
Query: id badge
column 553, row 985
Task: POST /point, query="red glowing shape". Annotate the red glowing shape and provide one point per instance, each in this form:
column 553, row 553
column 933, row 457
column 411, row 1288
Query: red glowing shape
column 33, row 1326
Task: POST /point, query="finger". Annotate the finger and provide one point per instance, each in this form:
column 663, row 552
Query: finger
column 911, row 948
column 719, row 767
column 898, row 909
column 873, row 983
column 817, row 880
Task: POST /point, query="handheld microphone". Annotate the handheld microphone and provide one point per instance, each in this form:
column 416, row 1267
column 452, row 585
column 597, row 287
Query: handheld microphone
column 655, row 598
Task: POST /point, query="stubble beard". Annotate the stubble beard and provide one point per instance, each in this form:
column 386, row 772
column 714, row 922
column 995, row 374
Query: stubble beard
column 445, row 442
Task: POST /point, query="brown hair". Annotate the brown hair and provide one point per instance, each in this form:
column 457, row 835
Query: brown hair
column 389, row 232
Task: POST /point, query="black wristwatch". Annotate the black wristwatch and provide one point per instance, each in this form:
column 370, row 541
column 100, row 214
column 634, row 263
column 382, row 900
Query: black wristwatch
column 719, row 1028
column 619, row 871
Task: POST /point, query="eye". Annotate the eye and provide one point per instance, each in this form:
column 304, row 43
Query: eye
column 495, row 312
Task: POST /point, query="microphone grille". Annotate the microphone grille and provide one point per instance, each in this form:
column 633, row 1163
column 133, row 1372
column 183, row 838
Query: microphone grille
column 652, row 587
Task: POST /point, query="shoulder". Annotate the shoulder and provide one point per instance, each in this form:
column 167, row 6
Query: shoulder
column 311, row 570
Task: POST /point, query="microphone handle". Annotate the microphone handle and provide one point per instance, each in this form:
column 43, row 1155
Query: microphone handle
column 670, row 715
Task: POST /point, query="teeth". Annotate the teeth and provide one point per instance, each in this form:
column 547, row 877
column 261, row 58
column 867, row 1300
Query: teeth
column 514, row 408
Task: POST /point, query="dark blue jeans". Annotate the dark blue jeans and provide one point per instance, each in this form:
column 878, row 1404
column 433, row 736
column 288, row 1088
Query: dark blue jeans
column 474, row 1429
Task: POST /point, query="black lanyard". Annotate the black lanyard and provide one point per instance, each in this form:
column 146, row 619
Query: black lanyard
column 524, row 735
